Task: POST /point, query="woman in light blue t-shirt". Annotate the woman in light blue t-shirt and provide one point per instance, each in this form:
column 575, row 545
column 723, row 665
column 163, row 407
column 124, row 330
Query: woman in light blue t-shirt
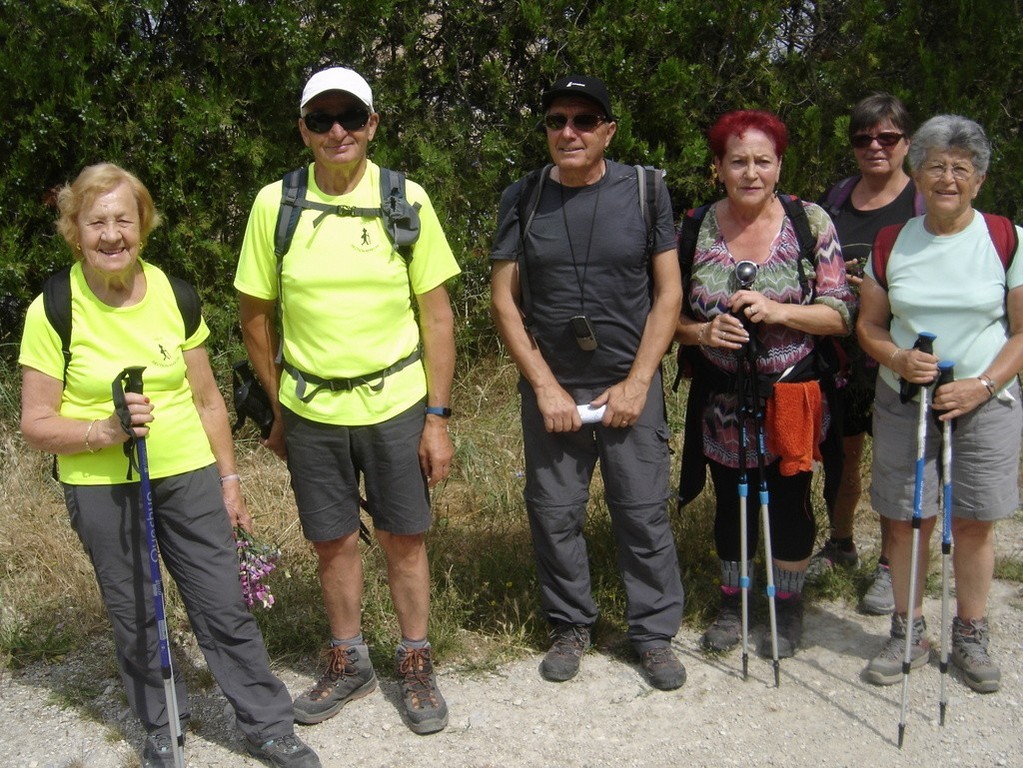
column 945, row 276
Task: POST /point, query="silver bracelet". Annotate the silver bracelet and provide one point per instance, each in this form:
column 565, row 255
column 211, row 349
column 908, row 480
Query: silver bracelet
column 224, row 479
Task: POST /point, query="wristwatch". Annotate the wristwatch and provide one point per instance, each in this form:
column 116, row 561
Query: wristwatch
column 437, row 410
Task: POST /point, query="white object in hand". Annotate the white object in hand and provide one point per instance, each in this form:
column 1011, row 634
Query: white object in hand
column 589, row 414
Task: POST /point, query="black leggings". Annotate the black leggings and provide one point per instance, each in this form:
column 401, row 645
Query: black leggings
column 793, row 527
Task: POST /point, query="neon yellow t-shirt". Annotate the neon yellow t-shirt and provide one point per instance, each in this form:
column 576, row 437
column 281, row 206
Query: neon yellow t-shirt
column 347, row 308
column 104, row 341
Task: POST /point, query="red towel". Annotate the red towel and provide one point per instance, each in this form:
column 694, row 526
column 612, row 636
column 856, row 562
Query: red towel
column 794, row 417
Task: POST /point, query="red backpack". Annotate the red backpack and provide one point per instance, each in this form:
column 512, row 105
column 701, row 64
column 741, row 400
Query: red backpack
column 1003, row 235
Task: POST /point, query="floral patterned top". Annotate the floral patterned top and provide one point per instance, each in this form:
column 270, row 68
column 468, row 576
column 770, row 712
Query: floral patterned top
column 713, row 282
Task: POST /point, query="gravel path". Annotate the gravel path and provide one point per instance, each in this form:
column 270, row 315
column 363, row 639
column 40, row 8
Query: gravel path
column 823, row 713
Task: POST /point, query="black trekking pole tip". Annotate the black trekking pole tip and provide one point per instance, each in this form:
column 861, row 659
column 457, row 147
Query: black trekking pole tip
column 777, row 673
column 902, row 733
column 941, row 719
column 745, row 666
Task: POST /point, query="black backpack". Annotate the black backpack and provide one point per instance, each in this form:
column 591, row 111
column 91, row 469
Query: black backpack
column 401, row 218
column 57, row 306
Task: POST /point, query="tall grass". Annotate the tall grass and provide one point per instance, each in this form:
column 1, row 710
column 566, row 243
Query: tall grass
column 485, row 605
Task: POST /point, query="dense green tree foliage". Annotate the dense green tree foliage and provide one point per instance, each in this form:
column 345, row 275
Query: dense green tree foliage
column 199, row 98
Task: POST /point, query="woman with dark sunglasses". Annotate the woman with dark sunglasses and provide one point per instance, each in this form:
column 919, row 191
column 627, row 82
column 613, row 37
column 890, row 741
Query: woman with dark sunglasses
column 880, row 194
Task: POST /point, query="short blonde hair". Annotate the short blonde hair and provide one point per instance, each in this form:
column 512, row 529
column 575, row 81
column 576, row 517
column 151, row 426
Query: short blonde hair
column 93, row 181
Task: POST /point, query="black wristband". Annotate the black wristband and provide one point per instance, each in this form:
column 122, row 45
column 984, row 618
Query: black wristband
column 436, row 410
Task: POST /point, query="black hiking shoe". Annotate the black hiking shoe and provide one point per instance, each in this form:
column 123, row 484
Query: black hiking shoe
column 425, row 707
column 726, row 631
column 349, row 675
column 663, row 669
column 568, row 644
column 789, row 617
column 286, row 752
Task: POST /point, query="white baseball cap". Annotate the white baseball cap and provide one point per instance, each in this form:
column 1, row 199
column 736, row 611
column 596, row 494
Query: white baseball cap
column 337, row 79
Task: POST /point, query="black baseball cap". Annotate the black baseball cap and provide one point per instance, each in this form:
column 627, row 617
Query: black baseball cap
column 580, row 85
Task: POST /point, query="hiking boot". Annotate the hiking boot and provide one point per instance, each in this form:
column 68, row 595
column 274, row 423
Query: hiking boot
column 789, row 619
column 886, row 667
column 349, row 676
column 426, row 709
column 879, row 599
column 829, row 556
column 969, row 653
column 287, row 752
column 726, row 631
column 158, row 752
column 568, row 644
column 663, row 669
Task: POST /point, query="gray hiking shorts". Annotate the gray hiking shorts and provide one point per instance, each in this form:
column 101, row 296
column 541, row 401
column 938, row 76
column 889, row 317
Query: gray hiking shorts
column 326, row 463
column 985, row 459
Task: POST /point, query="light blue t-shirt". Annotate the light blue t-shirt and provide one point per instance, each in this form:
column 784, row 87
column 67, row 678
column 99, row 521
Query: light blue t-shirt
column 953, row 286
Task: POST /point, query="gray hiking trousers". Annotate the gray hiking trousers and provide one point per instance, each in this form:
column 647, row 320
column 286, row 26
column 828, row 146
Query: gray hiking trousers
column 197, row 546
column 634, row 465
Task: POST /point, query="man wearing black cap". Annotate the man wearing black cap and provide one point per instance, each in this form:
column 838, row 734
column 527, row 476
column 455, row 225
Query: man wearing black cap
column 586, row 294
column 361, row 392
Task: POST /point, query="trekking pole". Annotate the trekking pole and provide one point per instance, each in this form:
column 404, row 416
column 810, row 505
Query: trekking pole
column 744, row 581
column 945, row 376
column 765, row 517
column 745, row 274
column 130, row 380
column 923, row 342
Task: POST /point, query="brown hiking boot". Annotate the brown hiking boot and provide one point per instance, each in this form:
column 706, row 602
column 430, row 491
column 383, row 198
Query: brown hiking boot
column 425, row 707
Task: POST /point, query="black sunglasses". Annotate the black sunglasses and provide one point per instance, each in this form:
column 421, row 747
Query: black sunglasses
column 584, row 123
column 885, row 139
column 322, row 122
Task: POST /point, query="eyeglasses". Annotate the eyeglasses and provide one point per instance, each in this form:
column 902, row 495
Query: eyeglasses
column 352, row 120
column 885, row 139
column 959, row 172
column 584, row 123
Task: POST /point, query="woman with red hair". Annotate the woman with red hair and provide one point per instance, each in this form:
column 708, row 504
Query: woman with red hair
column 751, row 301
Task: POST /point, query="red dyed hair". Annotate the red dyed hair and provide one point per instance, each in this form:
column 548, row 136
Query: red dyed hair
column 736, row 123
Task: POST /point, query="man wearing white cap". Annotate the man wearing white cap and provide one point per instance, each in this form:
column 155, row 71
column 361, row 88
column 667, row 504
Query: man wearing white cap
column 360, row 390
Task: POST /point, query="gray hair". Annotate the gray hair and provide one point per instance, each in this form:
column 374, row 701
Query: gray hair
column 944, row 132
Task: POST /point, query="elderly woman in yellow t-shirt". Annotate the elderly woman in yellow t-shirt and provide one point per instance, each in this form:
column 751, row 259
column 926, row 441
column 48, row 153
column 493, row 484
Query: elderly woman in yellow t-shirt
column 126, row 312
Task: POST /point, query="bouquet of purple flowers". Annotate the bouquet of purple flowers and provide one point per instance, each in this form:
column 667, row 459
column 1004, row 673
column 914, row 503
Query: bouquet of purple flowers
column 256, row 561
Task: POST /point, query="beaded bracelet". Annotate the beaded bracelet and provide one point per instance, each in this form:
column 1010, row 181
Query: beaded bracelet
column 700, row 335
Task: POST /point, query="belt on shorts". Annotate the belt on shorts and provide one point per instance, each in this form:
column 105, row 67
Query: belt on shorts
column 375, row 380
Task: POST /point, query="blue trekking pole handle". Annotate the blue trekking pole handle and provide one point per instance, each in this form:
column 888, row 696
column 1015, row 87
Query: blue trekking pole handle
column 131, row 381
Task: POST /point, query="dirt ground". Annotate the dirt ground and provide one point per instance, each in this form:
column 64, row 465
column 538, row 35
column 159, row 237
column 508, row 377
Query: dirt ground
column 823, row 712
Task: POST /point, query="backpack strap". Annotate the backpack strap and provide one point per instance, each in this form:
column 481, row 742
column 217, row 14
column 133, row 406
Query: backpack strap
column 529, row 200
column 796, row 212
column 688, row 233
column 401, row 219
column 187, row 299
column 838, row 194
column 57, row 306
column 1004, row 236
column 884, row 241
column 646, row 183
